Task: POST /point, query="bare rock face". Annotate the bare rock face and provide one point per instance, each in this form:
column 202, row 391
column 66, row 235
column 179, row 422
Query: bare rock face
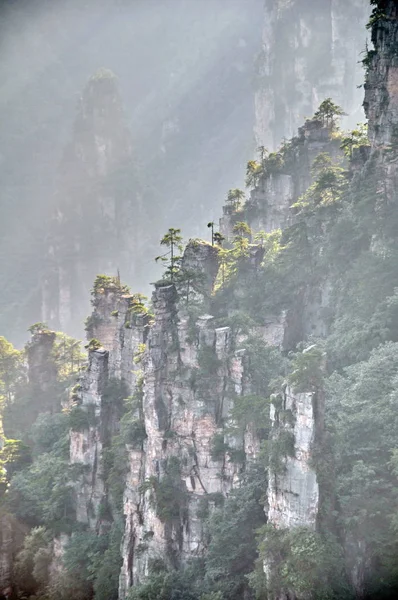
column 42, row 372
column 293, row 493
column 86, row 445
column 381, row 88
column 201, row 259
column 183, row 409
column 41, row 366
column 310, row 52
column 120, row 324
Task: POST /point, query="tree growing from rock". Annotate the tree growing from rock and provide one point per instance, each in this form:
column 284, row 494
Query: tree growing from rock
column 235, row 197
column 329, row 113
column 173, row 240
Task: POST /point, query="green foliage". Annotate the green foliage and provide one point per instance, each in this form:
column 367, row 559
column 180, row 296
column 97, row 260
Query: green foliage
column 165, row 585
column 253, row 291
column 362, row 416
column 329, row 112
column 14, row 456
column 328, row 187
column 191, row 286
column 378, row 13
column 235, row 198
column 218, row 447
column 173, row 240
column 168, row 494
column 308, row 369
column 106, row 581
column 253, row 173
column 50, row 433
column 355, row 139
column 93, row 345
column 93, row 562
column 81, row 418
column 92, row 322
column 115, row 393
column 279, row 447
column 104, row 283
column 304, row 561
column 83, row 558
column 241, row 230
column 38, row 328
column 12, row 374
column 43, row 494
column 132, row 427
column 31, row 569
column 232, row 549
column 68, row 357
column 265, row 365
column 251, row 410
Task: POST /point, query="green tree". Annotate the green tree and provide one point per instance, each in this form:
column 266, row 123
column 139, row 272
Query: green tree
column 242, row 234
column 329, row 113
column 235, row 197
column 38, row 328
column 173, row 240
column 31, row 569
column 253, row 173
column 355, row 139
column 14, row 456
column 328, row 188
column 12, row 373
column 216, row 236
column 227, row 562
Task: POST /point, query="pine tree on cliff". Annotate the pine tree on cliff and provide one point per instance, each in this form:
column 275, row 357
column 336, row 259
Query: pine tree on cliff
column 235, row 198
column 173, row 240
column 216, row 236
column 329, row 112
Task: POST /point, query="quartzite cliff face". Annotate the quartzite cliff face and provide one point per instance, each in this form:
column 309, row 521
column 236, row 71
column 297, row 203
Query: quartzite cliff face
column 311, row 51
column 185, row 370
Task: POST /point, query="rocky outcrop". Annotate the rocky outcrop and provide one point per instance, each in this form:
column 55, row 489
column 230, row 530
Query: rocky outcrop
column 187, row 371
column 86, row 444
column 269, row 205
column 309, row 52
column 293, row 491
column 183, row 409
column 120, row 323
column 200, row 263
column 381, row 88
column 42, row 371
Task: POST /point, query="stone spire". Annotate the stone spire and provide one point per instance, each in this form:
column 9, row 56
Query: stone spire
column 97, row 204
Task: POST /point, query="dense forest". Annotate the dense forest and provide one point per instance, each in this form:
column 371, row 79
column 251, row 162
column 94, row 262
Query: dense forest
column 235, row 435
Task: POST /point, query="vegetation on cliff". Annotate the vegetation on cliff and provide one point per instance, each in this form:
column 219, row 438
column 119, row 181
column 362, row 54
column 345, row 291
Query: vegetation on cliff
column 308, row 310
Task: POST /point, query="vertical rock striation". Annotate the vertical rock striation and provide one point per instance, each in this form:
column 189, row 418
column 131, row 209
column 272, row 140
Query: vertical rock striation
column 191, row 374
column 121, row 326
column 293, row 493
column 310, row 52
column 381, row 88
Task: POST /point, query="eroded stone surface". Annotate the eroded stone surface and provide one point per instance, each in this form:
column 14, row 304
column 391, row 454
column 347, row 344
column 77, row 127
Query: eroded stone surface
column 293, row 496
